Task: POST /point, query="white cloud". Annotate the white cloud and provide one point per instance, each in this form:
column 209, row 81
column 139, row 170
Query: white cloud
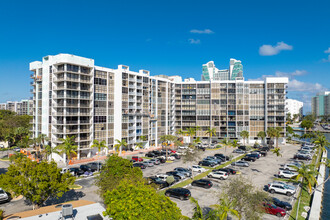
column 290, row 75
column 299, row 86
column 269, row 50
column 205, row 31
column 327, row 51
column 194, row 41
column 326, row 60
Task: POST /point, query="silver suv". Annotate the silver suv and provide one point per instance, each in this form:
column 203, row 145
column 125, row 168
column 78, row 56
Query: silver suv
column 3, row 196
column 280, row 188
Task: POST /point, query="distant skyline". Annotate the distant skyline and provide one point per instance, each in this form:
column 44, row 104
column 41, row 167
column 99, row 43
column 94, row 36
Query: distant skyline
column 271, row 38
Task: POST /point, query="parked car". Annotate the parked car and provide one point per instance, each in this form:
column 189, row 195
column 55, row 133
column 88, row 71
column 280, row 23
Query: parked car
column 155, row 161
column 94, row 166
column 197, row 168
column 216, row 159
column 226, row 169
column 177, row 174
column 202, row 183
column 279, row 188
column 264, row 149
column 158, row 182
column 161, row 160
column 287, row 174
column 66, row 170
column 242, row 148
column 284, row 205
column 291, row 167
column 184, row 171
column 84, row 168
column 4, row 197
column 221, row 156
column 150, row 154
column 274, row 210
column 168, row 157
column 302, row 157
column 181, row 193
column 141, row 165
column 248, row 158
column 219, row 175
column 239, row 151
column 262, row 153
column 138, row 159
column 200, row 147
column 76, row 171
column 183, row 147
column 240, row 164
column 285, row 185
column 254, row 154
column 176, row 156
column 148, row 163
column 206, row 163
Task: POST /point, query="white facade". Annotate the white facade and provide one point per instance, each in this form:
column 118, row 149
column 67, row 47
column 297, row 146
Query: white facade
column 293, row 107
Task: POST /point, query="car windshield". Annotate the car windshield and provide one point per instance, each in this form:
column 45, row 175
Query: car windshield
column 1, row 191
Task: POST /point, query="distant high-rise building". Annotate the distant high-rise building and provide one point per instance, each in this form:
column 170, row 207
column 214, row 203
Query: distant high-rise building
column 73, row 96
column 23, row 107
column 321, row 104
column 294, row 107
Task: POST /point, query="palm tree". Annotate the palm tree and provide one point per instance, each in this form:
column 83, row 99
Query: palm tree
column 119, row 145
column 68, row 147
column 49, row 150
column 139, row 145
column 277, row 134
column 225, row 142
column 262, row 135
column 277, row 151
column 306, row 175
column 180, row 132
column 198, row 213
column 191, row 132
column 197, row 140
column 210, row 132
column 271, row 133
column 99, row 145
column 245, row 135
column 234, row 143
column 225, row 207
column 321, row 142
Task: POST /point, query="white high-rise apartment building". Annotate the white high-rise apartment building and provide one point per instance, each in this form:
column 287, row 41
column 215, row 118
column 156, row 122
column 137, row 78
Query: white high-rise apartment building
column 23, row 107
column 74, row 97
column 293, row 107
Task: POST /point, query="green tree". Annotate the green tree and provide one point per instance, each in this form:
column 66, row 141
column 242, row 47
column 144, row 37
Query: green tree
column 277, row 151
column 225, row 143
column 48, row 151
column 37, row 182
column 289, row 130
column 277, row 134
column 306, row 124
column 234, row 143
column 198, row 211
column 1, row 214
column 166, row 140
column 262, row 135
column 306, row 176
column 180, row 132
column 113, row 171
column 99, row 145
column 245, row 197
column 271, row 133
column 139, row 201
column 245, row 135
column 210, row 132
column 67, row 147
column 225, row 207
column 191, row 133
column 289, row 118
column 119, row 146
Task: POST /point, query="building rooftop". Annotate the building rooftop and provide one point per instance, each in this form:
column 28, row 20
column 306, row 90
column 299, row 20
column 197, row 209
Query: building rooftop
column 81, row 210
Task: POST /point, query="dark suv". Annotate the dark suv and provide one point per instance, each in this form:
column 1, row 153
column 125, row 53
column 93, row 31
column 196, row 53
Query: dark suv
column 206, row 163
column 221, row 156
column 141, row 165
column 94, row 166
column 181, row 193
column 242, row 148
column 76, row 171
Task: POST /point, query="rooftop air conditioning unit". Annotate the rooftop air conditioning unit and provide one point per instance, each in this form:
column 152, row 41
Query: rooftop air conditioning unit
column 67, row 211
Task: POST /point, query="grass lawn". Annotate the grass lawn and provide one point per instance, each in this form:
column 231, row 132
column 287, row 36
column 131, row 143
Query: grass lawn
column 75, row 186
column 305, row 201
column 5, row 158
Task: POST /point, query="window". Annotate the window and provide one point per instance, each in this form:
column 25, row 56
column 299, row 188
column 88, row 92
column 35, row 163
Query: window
column 100, row 97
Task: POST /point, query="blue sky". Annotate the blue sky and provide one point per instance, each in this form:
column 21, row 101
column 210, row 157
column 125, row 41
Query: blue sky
column 290, row 38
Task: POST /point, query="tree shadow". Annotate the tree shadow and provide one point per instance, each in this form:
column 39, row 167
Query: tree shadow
column 3, row 170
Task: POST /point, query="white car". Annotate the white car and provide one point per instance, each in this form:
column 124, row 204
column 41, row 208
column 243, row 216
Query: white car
column 219, row 175
column 162, row 176
column 183, row 147
column 287, row 174
column 64, row 170
column 197, row 168
column 284, row 184
column 280, row 188
column 240, row 164
column 4, row 196
column 168, row 157
column 291, row 166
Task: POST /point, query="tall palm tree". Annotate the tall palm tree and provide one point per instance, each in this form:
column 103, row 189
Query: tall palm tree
column 68, row 147
column 119, row 145
column 234, row 143
column 210, row 132
column 99, row 145
column 197, row 140
column 262, row 135
column 224, row 208
column 225, row 142
column 191, row 132
column 271, row 133
column 306, row 175
column 49, row 150
column 245, row 135
column 198, row 213
column 277, row 151
column 181, row 132
column 277, row 134
column 321, row 142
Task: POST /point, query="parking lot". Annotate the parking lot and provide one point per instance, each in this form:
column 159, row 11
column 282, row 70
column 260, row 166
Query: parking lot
column 261, row 172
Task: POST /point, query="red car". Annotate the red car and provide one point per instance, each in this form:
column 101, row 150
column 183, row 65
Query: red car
column 137, row 159
column 173, row 151
column 274, row 210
